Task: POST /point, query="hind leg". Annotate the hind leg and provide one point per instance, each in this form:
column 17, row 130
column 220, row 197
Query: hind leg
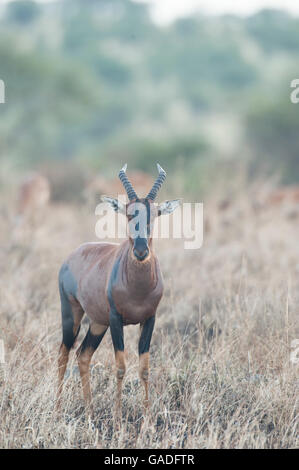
column 72, row 314
column 85, row 352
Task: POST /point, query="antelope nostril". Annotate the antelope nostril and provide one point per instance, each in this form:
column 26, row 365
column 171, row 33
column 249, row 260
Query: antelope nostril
column 140, row 254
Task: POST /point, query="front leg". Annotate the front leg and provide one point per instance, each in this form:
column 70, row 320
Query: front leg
column 143, row 349
column 117, row 333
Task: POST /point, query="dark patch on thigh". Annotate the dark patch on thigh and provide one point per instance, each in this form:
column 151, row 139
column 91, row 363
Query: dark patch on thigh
column 115, row 318
column 91, row 341
column 112, row 280
column 67, row 288
column 67, row 280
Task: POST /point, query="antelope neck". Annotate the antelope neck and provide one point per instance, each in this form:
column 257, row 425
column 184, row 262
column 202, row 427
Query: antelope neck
column 141, row 275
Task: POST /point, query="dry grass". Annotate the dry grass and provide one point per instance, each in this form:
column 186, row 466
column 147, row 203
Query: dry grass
column 221, row 375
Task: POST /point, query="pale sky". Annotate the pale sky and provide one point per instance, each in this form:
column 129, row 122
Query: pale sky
column 164, row 11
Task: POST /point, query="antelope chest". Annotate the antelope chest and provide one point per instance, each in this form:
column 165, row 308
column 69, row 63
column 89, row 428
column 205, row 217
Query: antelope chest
column 135, row 298
column 135, row 309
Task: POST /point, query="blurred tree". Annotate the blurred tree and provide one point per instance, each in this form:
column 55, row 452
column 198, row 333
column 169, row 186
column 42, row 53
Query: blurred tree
column 44, row 101
column 273, row 134
column 274, row 30
column 202, row 61
column 98, row 82
column 22, row 11
column 144, row 153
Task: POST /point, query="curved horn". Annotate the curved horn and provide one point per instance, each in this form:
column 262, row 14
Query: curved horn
column 126, row 183
column 158, row 183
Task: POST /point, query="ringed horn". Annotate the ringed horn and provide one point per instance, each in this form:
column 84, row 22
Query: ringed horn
column 158, row 183
column 130, row 190
column 127, row 184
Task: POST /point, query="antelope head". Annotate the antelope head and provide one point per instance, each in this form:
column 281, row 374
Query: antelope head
column 141, row 213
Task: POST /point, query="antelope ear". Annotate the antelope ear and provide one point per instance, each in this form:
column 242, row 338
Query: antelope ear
column 115, row 204
column 167, row 207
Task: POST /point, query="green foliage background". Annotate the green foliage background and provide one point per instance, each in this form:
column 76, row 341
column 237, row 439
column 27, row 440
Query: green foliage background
column 94, row 84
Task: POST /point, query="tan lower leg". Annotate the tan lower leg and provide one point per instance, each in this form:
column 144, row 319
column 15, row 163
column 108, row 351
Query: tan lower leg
column 120, row 373
column 84, row 363
column 144, row 374
column 62, row 363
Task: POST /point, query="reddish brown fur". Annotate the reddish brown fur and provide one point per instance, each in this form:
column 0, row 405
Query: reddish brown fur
column 136, row 292
column 115, row 285
column 139, row 287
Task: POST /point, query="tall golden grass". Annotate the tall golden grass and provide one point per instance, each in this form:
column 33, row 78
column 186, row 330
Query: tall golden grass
column 221, row 375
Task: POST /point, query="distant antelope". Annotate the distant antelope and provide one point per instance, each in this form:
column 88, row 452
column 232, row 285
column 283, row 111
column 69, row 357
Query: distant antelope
column 33, row 197
column 284, row 195
column 284, row 198
column 115, row 285
column 34, row 194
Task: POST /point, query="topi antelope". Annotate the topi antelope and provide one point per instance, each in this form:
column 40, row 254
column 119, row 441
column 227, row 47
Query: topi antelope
column 115, row 285
column 34, row 194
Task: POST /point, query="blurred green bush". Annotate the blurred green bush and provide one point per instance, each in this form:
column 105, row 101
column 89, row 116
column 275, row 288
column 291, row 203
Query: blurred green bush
column 95, row 84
